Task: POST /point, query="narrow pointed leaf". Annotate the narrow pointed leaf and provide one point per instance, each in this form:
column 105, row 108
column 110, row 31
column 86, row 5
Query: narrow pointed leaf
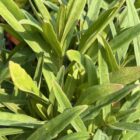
column 125, row 37
column 38, row 72
column 10, row 119
column 10, row 131
column 73, row 15
column 125, row 75
column 76, row 136
column 94, row 93
column 92, row 111
column 126, row 126
column 98, row 26
column 50, row 130
column 133, row 19
column 50, row 36
column 42, row 9
column 64, row 103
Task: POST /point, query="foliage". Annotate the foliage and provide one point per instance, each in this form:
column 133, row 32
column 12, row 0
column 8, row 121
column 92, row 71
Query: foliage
column 74, row 75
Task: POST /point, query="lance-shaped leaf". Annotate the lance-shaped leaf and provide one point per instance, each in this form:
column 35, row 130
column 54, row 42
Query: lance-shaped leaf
column 39, row 68
column 21, row 79
column 73, row 15
column 93, row 12
column 92, row 111
column 52, row 128
column 60, row 22
column 50, row 36
column 125, row 75
column 35, row 26
column 11, row 131
column 24, row 82
column 70, row 86
column 90, row 71
column 14, row 9
column 103, row 67
column 109, row 56
column 126, row 126
column 11, row 99
column 76, row 136
column 4, row 72
column 94, row 93
column 64, row 103
column 42, row 9
column 98, row 26
column 133, row 19
column 10, row 119
column 51, row 5
column 125, row 37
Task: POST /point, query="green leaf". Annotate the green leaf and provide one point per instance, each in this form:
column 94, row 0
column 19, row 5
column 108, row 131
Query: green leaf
column 99, row 135
column 75, row 56
column 125, row 75
column 21, row 3
column 86, row 64
column 92, row 111
column 13, row 107
column 42, row 9
column 2, row 138
column 10, row 131
column 72, row 16
column 94, row 93
column 60, row 76
column 134, row 116
column 70, row 86
column 61, row 97
column 50, row 130
column 76, row 136
column 133, row 19
column 124, row 115
column 13, row 8
column 4, row 72
column 48, row 75
column 31, row 17
column 98, row 26
column 10, row 15
column 90, row 71
column 103, row 67
column 11, row 99
column 125, row 37
column 20, row 54
column 10, row 119
column 50, row 36
column 31, row 23
column 126, row 126
column 112, row 63
column 21, row 79
column 132, row 102
column 131, row 135
column 38, row 72
column 64, row 103
column 92, row 13
column 51, row 5
column 60, row 22
column 24, row 82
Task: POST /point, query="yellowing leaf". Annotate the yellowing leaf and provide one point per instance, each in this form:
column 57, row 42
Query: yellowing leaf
column 21, row 79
